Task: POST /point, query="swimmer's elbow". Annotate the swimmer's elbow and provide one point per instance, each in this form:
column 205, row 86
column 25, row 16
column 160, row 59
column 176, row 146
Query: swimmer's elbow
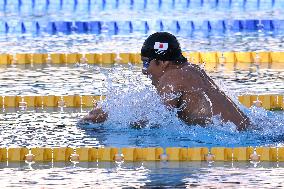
column 245, row 124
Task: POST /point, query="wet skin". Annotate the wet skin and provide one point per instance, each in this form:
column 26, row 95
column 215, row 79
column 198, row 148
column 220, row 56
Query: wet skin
column 97, row 115
column 194, row 93
column 189, row 89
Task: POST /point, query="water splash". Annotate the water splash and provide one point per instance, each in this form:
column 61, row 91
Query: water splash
column 134, row 102
column 137, row 101
column 130, row 96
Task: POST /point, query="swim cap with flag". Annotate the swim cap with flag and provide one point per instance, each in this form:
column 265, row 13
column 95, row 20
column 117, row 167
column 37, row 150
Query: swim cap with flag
column 162, row 46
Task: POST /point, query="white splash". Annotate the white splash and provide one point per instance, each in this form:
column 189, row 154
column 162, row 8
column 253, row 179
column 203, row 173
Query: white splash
column 131, row 99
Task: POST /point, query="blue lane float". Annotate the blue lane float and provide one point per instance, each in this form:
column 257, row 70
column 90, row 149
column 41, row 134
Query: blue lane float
column 95, row 27
column 81, row 27
column 31, row 27
column 25, row 6
column 278, row 25
column 63, row 27
column 4, row 28
column 140, row 27
column 182, row 27
column 50, row 28
column 267, row 25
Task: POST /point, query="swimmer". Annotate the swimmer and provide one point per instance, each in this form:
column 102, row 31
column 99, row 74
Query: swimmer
column 182, row 85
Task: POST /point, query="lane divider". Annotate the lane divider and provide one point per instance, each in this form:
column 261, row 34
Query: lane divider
column 211, row 59
column 269, row 102
column 61, row 58
column 34, row 6
column 180, row 27
column 91, row 154
column 50, row 101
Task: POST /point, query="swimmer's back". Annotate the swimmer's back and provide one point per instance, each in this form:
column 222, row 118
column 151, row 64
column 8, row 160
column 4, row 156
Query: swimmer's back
column 194, row 83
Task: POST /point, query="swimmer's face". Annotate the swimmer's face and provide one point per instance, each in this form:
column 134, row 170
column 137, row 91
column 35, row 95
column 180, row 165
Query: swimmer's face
column 146, row 63
column 152, row 69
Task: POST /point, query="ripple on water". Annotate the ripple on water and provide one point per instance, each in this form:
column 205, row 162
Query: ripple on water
column 142, row 175
column 89, row 79
column 130, row 98
column 253, row 41
column 56, row 128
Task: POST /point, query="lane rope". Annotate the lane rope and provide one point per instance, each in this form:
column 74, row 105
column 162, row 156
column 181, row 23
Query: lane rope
column 32, row 6
column 265, row 57
column 89, row 154
column 126, row 27
column 269, row 102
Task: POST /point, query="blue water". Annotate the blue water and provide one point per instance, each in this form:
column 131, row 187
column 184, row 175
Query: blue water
column 143, row 104
column 59, row 129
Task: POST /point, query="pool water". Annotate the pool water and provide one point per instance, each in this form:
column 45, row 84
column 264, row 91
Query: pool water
column 54, row 128
column 143, row 175
column 85, row 43
column 84, row 79
column 130, row 97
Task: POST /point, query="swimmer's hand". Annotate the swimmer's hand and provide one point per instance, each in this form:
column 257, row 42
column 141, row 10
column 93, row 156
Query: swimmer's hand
column 97, row 115
column 138, row 124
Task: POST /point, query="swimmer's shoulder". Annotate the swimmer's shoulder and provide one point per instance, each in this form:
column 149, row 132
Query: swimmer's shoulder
column 194, row 68
column 181, row 72
column 178, row 78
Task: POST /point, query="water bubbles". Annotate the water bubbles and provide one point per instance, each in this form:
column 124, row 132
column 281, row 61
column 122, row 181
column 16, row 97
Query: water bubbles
column 137, row 102
column 130, row 98
column 132, row 102
column 267, row 126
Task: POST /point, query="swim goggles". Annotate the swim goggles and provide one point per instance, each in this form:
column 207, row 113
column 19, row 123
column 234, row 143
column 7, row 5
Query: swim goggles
column 146, row 63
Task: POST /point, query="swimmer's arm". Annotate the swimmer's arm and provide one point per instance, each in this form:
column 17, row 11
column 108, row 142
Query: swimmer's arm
column 197, row 111
column 97, row 115
column 169, row 95
column 193, row 108
column 193, row 111
column 244, row 124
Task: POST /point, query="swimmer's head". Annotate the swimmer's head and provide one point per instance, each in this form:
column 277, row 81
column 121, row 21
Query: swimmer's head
column 163, row 46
